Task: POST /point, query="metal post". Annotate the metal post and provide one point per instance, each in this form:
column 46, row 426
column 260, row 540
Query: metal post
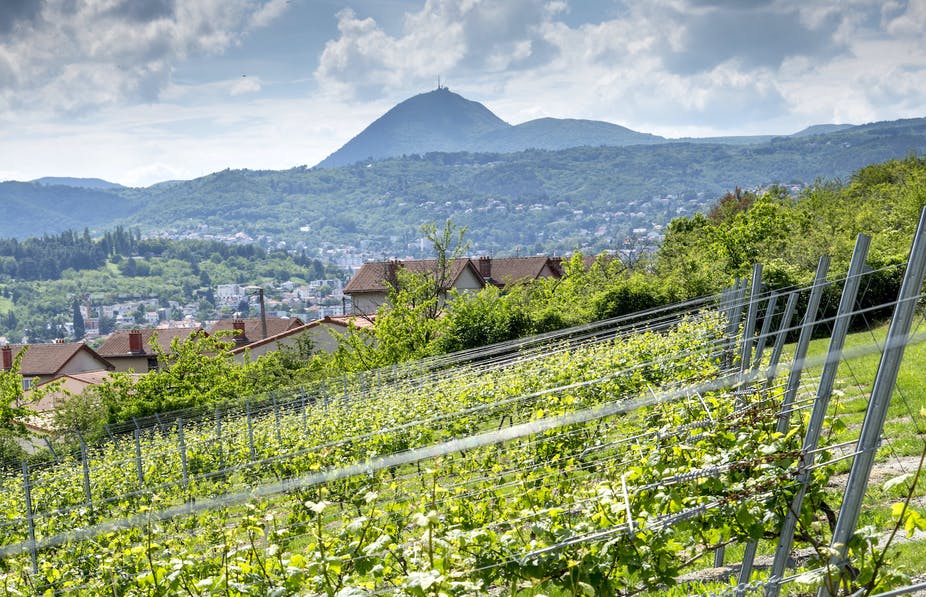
column 139, row 469
column 751, row 314
column 183, row 463
column 803, row 343
column 51, row 449
column 820, row 405
column 749, row 555
column 276, row 417
column 86, row 469
column 263, row 314
column 881, row 392
column 247, row 410
column 305, row 423
column 749, row 328
column 734, row 313
column 218, row 437
column 30, row 518
column 762, row 340
column 783, row 329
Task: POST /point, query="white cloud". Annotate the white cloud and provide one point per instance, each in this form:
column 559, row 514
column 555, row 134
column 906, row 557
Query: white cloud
column 457, row 39
column 245, row 85
column 80, row 55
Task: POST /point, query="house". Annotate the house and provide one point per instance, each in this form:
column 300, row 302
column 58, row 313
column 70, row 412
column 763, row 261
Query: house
column 45, row 362
column 250, row 330
column 322, row 334
column 71, row 384
column 370, row 286
column 131, row 350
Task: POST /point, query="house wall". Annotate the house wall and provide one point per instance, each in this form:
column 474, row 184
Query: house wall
column 321, row 336
column 135, row 363
column 468, row 280
column 366, row 303
column 82, row 361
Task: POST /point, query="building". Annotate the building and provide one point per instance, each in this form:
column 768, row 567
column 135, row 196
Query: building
column 370, row 286
column 132, row 350
column 322, row 334
column 249, row 330
column 45, row 362
column 505, row 271
column 229, row 295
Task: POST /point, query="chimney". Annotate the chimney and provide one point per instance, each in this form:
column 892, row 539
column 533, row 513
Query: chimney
column 485, row 267
column 391, row 277
column 135, row 343
column 6, row 357
column 238, row 327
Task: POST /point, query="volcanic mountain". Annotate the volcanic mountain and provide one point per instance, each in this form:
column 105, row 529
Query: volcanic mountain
column 441, row 120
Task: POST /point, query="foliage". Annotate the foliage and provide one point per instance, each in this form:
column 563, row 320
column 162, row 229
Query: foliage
column 44, row 277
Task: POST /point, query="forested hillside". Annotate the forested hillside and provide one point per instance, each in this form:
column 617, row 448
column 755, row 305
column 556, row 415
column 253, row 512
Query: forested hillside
column 41, row 278
column 590, row 198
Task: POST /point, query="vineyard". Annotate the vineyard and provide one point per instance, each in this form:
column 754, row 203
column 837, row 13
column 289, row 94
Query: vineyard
column 622, row 457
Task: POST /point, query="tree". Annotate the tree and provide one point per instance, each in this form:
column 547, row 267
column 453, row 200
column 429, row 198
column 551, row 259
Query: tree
column 12, row 409
column 79, row 330
column 448, row 245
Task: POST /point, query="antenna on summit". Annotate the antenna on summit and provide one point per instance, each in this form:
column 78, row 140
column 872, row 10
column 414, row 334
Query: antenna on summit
column 438, row 82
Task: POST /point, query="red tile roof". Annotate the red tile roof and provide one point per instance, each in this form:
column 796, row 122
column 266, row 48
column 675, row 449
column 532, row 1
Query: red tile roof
column 117, row 345
column 252, row 327
column 42, row 360
column 502, row 271
column 375, row 275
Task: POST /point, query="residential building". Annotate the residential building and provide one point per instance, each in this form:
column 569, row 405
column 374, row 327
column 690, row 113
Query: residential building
column 370, row 286
column 249, row 330
column 46, row 362
column 132, row 350
column 322, row 334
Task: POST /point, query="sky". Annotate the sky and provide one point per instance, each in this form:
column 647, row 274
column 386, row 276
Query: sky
column 142, row 91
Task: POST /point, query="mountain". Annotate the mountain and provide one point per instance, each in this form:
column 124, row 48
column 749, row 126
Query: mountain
column 562, row 133
column 82, row 183
column 444, row 121
column 539, row 200
column 33, row 209
column 822, row 129
column 439, row 120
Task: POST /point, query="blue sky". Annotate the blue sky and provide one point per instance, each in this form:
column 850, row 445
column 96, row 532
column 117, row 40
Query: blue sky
column 139, row 91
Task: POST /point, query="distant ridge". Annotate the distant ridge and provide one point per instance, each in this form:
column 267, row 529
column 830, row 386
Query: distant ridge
column 443, row 121
column 78, row 183
column 822, row 129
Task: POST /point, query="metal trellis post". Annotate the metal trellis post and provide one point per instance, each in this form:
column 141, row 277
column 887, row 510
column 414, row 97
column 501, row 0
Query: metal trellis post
column 820, row 405
column 139, row 469
column 803, row 343
column 783, row 329
column 762, row 340
column 881, row 392
column 85, row 465
column 30, row 519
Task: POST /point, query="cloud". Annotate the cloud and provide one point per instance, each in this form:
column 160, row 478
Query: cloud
column 17, row 11
column 753, row 37
column 245, row 85
column 456, row 39
column 77, row 56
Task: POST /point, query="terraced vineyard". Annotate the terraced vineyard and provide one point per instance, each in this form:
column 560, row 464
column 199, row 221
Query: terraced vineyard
column 610, row 459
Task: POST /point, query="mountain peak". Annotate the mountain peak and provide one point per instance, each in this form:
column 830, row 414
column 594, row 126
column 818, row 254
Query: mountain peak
column 437, row 120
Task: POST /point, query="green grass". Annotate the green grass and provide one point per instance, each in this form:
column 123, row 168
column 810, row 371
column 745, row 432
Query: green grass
column 5, row 304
